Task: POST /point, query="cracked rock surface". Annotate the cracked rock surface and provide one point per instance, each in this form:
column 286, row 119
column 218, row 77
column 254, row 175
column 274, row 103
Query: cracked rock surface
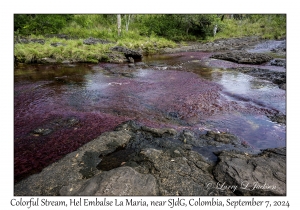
column 136, row 160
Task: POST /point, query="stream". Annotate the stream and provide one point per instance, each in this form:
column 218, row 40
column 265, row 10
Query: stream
column 60, row 107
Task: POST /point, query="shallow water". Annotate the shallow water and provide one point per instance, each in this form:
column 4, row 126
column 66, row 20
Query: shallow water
column 58, row 108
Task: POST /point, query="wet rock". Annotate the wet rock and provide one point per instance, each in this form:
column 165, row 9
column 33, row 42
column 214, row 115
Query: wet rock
column 243, row 57
column 136, row 160
column 128, row 52
column 280, row 48
column 282, row 86
column 131, row 65
column 173, row 115
column 278, row 78
column 263, row 174
column 71, row 169
column 47, row 60
column 62, row 79
column 222, row 137
column 141, row 64
column 278, row 117
column 115, row 159
column 278, row 62
column 131, row 60
column 92, row 41
column 123, row 181
column 42, row 131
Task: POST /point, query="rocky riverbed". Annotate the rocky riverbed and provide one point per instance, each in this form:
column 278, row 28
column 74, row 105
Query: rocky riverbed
column 135, row 160
column 147, row 156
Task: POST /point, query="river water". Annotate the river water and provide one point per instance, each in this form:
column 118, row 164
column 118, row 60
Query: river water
column 58, row 108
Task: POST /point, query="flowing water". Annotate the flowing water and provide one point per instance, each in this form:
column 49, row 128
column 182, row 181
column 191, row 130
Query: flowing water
column 58, row 108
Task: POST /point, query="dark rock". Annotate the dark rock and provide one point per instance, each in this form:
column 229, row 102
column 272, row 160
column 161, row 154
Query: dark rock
column 26, row 41
column 89, row 160
column 16, row 61
column 56, row 124
column 225, row 138
column 263, row 174
column 282, row 86
column 278, row 62
column 123, row 181
column 217, row 45
column 56, row 44
column 128, row 52
column 60, row 36
column 92, row 41
column 42, row 131
column 40, row 41
column 47, row 60
column 71, row 169
column 116, row 57
column 243, row 57
column 22, row 40
column 173, row 115
column 278, row 117
column 115, row 159
column 138, row 160
column 159, row 132
column 127, row 74
column 131, row 65
column 280, row 48
column 141, row 64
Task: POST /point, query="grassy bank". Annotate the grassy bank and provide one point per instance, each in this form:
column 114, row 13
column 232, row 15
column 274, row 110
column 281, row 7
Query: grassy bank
column 75, row 50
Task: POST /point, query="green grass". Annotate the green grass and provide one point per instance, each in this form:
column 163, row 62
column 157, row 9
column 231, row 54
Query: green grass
column 73, row 50
column 265, row 27
column 77, row 51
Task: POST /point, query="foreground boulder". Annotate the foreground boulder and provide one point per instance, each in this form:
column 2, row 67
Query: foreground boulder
column 263, row 174
column 137, row 160
column 243, row 57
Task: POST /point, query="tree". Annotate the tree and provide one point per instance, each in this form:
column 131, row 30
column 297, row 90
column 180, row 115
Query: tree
column 40, row 23
column 119, row 24
column 127, row 21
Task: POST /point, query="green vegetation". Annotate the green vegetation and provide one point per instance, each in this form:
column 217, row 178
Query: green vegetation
column 265, row 26
column 149, row 33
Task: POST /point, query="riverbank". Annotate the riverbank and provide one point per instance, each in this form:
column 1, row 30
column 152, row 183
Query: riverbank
column 62, row 48
column 65, row 49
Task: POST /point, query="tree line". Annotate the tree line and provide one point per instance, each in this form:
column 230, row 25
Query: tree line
column 171, row 26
